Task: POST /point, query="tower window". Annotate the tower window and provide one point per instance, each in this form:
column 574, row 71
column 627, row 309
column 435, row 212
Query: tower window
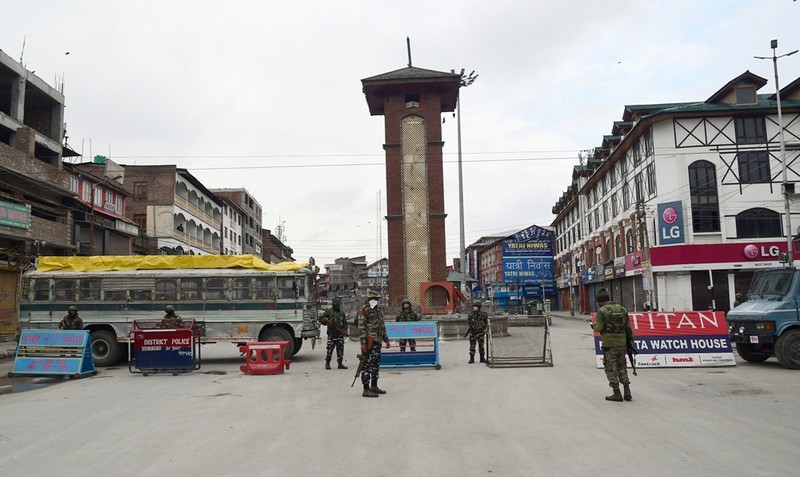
column 412, row 100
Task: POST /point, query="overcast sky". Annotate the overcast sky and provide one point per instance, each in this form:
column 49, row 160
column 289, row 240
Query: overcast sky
column 266, row 95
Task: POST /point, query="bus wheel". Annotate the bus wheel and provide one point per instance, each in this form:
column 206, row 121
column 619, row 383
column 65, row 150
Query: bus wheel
column 787, row 349
column 298, row 343
column 105, row 348
column 275, row 333
column 750, row 354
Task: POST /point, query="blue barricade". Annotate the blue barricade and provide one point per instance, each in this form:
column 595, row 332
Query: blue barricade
column 164, row 350
column 426, row 348
column 54, row 353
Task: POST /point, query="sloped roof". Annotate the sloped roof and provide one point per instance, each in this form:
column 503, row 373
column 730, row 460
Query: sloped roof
column 747, row 78
column 411, row 80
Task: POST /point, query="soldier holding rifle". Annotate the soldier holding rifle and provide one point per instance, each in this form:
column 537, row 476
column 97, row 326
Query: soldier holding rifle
column 373, row 332
column 336, row 321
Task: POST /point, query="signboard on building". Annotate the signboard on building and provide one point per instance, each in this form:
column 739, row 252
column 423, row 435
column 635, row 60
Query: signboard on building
column 720, row 255
column 670, row 223
column 527, row 269
column 15, row 215
column 667, row 339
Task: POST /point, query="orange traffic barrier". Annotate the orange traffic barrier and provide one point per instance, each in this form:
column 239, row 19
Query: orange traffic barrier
column 265, row 357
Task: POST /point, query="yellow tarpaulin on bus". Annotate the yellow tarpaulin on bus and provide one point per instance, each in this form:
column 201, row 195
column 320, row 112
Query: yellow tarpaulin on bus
column 160, row 262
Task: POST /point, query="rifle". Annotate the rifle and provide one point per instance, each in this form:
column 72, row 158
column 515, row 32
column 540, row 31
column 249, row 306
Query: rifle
column 631, row 350
column 328, row 322
column 362, row 360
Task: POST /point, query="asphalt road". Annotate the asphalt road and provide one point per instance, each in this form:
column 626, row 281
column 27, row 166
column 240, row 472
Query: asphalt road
column 462, row 420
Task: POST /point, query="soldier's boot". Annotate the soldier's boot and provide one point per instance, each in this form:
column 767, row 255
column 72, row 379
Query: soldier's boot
column 402, row 349
column 483, row 360
column 627, row 392
column 413, row 348
column 327, row 364
column 617, row 396
column 471, row 358
column 368, row 393
column 341, row 366
column 375, row 389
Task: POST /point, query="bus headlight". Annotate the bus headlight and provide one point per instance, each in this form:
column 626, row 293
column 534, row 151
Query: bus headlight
column 741, row 330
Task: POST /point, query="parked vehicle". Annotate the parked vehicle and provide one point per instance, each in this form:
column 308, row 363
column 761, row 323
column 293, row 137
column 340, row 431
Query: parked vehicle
column 231, row 298
column 768, row 323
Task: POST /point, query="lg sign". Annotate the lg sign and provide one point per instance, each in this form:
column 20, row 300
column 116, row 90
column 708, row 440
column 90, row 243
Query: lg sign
column 753, row 251
column 670, row 223
column 670, row 215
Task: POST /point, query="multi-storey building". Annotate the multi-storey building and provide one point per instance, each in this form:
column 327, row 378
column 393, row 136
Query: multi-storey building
column 232, row 217
column 273, row 249
column 251, row 222
column 101, row 227
column 681, row 202
column 175, row 209
column 36, row 202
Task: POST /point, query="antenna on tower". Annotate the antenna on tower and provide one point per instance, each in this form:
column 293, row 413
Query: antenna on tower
column 280, row 230
column 22, row 53
column 408, row 46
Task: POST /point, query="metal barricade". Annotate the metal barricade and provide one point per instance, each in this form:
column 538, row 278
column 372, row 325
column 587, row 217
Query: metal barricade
column 525, row 341
column 163, row 350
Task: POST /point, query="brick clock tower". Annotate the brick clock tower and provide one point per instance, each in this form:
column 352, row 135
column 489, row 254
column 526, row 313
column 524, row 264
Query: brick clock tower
column 412, row 101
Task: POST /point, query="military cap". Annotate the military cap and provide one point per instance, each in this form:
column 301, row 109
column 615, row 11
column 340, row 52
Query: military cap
column 602, row 295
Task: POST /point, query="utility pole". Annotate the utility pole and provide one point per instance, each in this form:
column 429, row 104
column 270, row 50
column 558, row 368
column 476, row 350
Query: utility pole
column 785, row 186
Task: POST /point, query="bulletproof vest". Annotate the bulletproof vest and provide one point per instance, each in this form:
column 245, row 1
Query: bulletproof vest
column 614, row 318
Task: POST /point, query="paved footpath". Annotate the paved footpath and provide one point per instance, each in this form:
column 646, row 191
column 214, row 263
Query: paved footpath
column 463, row 420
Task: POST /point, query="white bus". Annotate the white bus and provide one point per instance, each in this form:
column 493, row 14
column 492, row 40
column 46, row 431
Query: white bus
column 258, row 303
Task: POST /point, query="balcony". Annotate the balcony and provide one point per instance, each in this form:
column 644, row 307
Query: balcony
column 195, row 242
column 200, row 214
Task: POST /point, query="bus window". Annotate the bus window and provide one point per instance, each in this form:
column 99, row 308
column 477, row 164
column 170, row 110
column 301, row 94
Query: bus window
column 215, row 289
column 265, row 288
column 115, row 295
column 190, row 288
column 300, row 287
column 141, row 294
column 240, row 288
column 65, row 290
column 166, row 290
column 42, row 290
column 286, row 287
column 90, row 290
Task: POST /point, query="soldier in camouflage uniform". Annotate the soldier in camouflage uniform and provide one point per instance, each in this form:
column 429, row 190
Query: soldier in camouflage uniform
column 336, row 321
column 614, row 327
column 170, row 320
column 407, row 314
column 477, row 321
column 72, row 321
column 373, row 332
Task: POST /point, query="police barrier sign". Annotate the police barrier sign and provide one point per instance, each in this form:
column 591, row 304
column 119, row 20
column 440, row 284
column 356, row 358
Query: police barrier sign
column 677, row 339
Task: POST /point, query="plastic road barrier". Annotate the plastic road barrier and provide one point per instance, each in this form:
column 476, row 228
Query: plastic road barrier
column 164, row 350
column 265, row 357
column 54, row 352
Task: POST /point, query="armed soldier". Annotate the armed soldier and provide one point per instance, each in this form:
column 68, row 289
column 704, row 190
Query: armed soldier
column 614, row 327
column 170, row 320
column 477, row 321
column 336, row 321
column 407, row 314
column 72, row 321
column 373, row 332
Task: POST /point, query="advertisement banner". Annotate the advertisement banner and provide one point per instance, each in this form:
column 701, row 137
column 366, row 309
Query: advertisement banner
column 538, row 248
column 670, row 223
column 677, row 339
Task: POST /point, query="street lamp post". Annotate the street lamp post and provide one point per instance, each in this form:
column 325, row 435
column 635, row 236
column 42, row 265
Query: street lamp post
column 785, row 185
column 466, row 80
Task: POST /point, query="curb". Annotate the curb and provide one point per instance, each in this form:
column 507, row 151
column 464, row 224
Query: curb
column 6, row 389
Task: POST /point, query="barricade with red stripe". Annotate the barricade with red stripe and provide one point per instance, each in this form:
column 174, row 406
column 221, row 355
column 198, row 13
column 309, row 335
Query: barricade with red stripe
column 265, row 357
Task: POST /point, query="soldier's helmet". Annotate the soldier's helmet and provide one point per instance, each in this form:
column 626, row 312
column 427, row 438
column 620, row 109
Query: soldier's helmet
column 406, row 303
column 73, row 308
column 336, row 301
column 740, row 296
column 477, row 303
column 169, row 308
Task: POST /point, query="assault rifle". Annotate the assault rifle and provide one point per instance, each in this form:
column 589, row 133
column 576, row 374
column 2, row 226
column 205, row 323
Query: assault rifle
column 362, row 360
column 328, row 322
column 631, row 350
